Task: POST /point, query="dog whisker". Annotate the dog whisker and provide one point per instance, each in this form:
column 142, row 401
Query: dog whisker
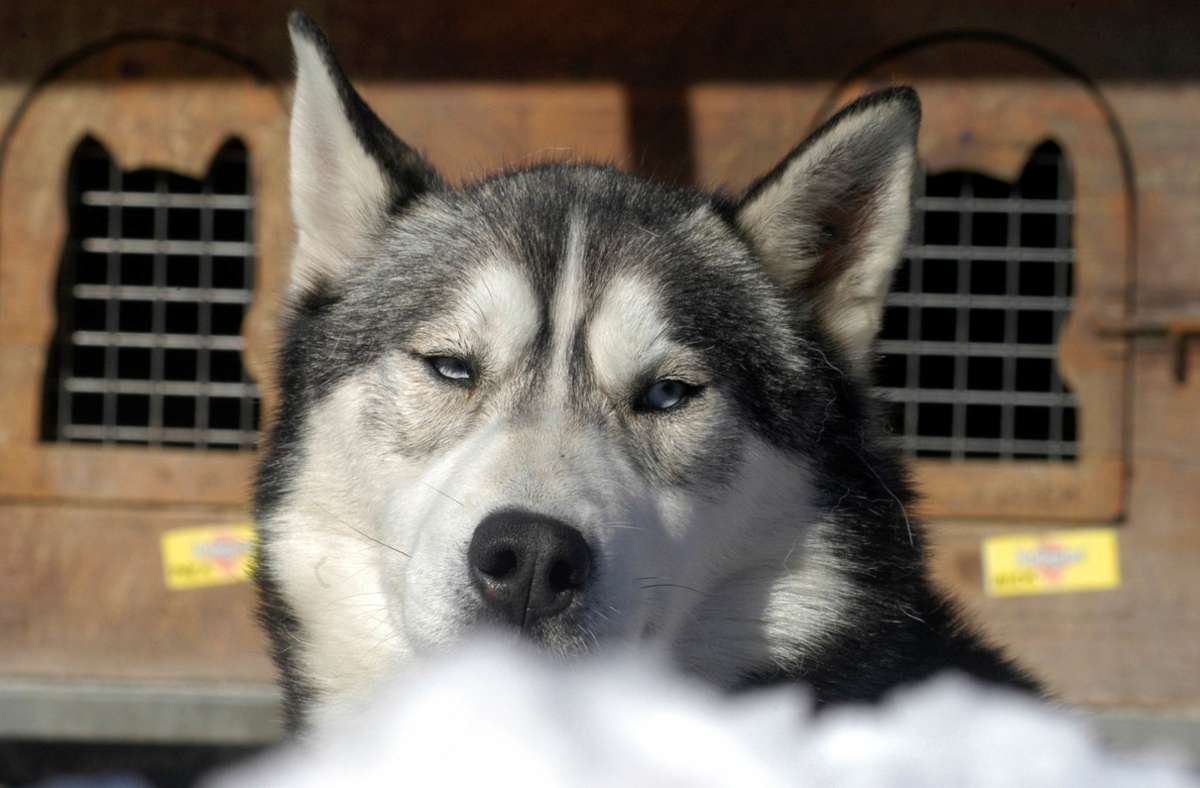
column 323, row 511
column 888, row 490
column 379, row 542
column 672, row 585
column 442, row 493
column 620, row 526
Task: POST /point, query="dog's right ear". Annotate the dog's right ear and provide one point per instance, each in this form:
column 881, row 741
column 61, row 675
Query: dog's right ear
column 830, row 222
column 349, row 172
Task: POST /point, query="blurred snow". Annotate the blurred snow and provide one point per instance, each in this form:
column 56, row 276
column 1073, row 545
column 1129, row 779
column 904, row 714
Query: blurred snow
column 494, row 713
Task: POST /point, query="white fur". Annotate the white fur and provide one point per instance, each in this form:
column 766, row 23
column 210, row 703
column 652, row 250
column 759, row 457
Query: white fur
column 761, row 561
column 853, row 312
column 566, row 312
column 339, row 194
column 352, row 498
column 626, row 335
column 779, row 220
column 701, row 577
column 496, row 316
column 328, row 568
column 398, row 468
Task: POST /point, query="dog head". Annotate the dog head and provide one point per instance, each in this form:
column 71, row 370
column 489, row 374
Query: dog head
column 565, row 400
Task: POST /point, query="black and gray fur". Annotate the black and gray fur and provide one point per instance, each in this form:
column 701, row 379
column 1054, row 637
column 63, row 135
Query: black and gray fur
column 770, row 298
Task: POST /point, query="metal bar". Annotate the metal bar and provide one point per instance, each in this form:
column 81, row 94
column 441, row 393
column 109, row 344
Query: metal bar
column 161, row 293
column 171, row 341
column 975, row 396
column 1010, row 254
column 958, row 421
column 202, row 437
column 954, row 300
column 1008, row 376
column 993, row 205
column 159, row 316
column 173, row 388
column 231, row 202
column 997, row 446
column 157, row 246
column 982, row 349
column 204, row 318
column 246, row 406
column 112, row 306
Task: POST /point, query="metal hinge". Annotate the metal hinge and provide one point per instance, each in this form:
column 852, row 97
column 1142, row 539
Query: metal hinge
column 1179, row 330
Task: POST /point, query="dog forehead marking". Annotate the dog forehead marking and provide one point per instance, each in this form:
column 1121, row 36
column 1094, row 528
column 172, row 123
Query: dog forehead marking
column 627, row 331
column 502, row 309
column 569, row 304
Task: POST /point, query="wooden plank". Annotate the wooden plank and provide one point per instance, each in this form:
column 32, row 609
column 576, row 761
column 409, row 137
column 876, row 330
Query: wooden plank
column 125, row 474
column 1136, row 645
column 626, row 40
column 144, row 711
column 1089, row 490
column 84, row 596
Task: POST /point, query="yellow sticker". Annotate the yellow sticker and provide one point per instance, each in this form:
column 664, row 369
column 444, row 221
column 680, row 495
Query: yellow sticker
column 1051, row 563
column 213, row 555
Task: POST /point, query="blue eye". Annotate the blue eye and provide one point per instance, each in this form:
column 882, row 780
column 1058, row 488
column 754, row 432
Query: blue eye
column 667, row 394
column 452, row 369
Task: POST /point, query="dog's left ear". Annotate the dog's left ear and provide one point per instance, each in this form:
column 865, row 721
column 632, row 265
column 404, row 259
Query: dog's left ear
column 349, row 172
column 830, row 222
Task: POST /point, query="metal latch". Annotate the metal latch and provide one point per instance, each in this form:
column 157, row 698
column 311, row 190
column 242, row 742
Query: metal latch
column 1179, row 331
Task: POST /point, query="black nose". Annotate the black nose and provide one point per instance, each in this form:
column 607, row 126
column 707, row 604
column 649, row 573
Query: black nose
column 528, row 566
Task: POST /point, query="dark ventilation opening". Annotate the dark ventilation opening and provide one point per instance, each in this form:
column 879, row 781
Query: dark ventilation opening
column 970, row 333
column 156, row 277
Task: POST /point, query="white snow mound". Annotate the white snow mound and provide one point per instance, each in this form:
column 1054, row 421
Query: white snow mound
column 496, row 714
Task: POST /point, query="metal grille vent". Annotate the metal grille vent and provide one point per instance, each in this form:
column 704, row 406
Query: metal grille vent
column 972, row 321
column 156, row 276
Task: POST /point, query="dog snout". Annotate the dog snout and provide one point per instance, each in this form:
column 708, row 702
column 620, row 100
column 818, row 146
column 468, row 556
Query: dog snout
column 528, row 567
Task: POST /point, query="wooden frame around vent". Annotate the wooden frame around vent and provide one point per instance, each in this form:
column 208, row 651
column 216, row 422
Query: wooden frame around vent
column 132, row 98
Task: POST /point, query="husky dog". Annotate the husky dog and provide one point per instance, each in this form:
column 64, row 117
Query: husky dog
column 594, row 409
